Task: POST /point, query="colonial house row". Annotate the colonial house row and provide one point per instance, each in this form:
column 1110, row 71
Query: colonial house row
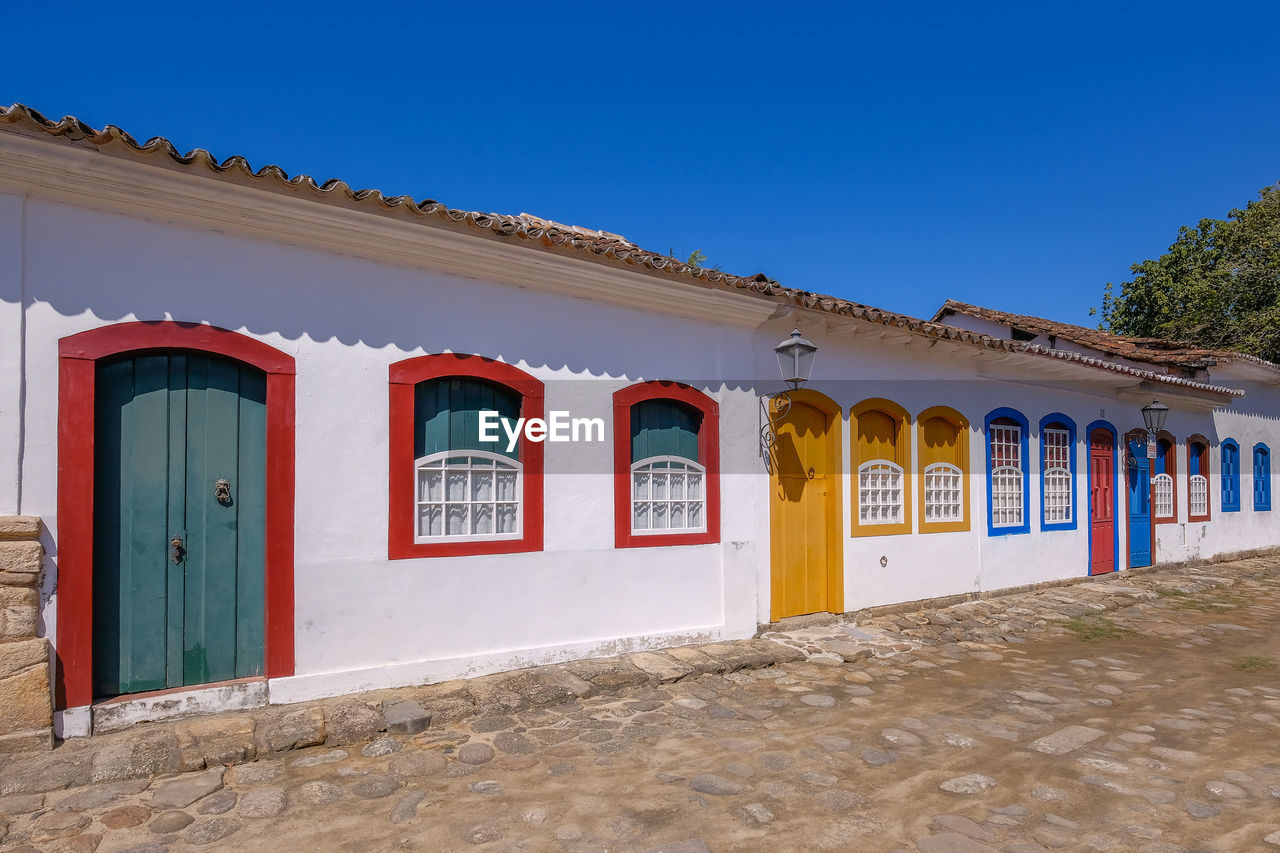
column 288, row 440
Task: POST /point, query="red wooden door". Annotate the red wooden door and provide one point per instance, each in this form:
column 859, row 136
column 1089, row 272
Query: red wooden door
column 1102, row 504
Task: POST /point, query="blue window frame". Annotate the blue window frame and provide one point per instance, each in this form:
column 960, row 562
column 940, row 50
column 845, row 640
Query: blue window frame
column 1261, row 477
column 1008, row 486
column 1058, row 508
column 1230, row 475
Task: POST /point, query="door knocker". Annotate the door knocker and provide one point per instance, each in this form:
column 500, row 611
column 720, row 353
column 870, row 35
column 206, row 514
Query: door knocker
column 222, row 492
column 811, row 472
column 176, row 551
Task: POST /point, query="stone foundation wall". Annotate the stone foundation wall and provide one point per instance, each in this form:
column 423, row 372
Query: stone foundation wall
column 26, row 709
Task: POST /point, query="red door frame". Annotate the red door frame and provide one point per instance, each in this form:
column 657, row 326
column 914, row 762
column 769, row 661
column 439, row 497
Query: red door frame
column 77, row 372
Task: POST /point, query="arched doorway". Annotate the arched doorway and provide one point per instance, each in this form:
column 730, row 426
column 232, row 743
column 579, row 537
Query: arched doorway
column 175, row 502
column 805, row 514
column 1138, row 500
column 1102, row 499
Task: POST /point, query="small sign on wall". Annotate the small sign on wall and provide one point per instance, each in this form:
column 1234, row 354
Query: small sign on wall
column 1151, row 447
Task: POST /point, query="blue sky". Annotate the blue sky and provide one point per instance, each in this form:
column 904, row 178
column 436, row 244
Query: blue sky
column 1014, row 155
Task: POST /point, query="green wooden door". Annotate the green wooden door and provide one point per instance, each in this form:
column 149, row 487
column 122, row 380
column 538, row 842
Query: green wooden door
column 168, row 427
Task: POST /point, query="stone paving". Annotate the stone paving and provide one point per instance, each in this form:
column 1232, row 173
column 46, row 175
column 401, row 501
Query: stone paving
column 1138, row 713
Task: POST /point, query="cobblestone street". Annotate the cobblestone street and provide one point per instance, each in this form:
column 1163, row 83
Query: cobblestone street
column 1154, row 727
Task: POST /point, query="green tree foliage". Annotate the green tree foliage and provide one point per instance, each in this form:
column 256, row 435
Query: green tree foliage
column 1218, row 286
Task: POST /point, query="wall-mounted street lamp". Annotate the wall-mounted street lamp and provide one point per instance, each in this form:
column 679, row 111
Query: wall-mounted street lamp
column 795, row 359
column 1153, row 416
column 795, row 363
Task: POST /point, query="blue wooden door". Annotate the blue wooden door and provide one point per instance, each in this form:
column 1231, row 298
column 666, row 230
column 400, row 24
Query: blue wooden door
column 1139, row 506
column 178, row 587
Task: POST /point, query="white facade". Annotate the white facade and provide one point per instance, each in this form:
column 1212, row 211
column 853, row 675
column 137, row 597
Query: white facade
column 347, row 294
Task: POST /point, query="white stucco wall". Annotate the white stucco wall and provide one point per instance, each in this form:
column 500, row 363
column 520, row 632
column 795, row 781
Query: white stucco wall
column 364, row 621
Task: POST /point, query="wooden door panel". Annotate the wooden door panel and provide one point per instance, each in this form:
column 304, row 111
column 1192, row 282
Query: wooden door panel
column 1101, row 503
column 801, row 514
column 167, row 428
column 131, row 543
column 1139, row 504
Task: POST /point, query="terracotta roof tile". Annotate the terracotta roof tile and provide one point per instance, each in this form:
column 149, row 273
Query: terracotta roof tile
column 527, row 228
column 1170, row 354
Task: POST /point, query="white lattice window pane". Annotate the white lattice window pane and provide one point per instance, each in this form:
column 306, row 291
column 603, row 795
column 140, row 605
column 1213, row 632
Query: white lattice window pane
column 430, row 520
column 482, row 518
column 468, row 496
column 508, row 518
column 1006, row 494
column 456, row 486
column 879, row 492
column 942, row 492
column 482, row 486
column 507, row 486
column 676, row 486
column 430, row 485
column 667, row 495
column 659, row 484
column 1199, row 495
column 456, row 521
column 1162, row 486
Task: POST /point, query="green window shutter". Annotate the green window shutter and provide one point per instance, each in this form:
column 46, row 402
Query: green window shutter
column 447, row 415
column 664, row 428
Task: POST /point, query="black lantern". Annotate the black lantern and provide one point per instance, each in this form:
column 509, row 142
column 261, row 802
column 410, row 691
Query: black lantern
column 1153, row 415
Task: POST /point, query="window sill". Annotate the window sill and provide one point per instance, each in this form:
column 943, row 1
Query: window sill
column 463, row 549
column 653, row 540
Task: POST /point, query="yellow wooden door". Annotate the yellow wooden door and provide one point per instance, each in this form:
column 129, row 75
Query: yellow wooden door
column 802, row 514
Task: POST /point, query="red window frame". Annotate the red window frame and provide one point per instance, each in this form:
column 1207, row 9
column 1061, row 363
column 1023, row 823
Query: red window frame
column 404, row 376
column 1204, row 472
column 708, row 458
column 77, row 379
column 1170, row 468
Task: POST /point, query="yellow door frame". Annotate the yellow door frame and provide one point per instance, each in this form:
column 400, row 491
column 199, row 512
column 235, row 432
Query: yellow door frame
column 835, row 507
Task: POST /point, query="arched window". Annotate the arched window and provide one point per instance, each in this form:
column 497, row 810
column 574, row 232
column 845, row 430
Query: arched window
column 459, row 484
column 1197, row 478
column 1261, row 478
column 1057, row 472
column 1164, row 476
column 1007, row 487
column 881, row 454
column 1230, row 475
column 666, row 466
column 468, row 487
column 942, row 450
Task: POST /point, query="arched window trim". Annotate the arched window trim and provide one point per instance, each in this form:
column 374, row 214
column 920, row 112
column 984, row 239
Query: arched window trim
column 1057, row 420
column 404, row 376
column 708, row 459
column 902, row 447
column 1230, row 503
column 961, row 423
column 1171, row 469
column 1021, row 421
column 1203, row 442
column 1261, row 499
